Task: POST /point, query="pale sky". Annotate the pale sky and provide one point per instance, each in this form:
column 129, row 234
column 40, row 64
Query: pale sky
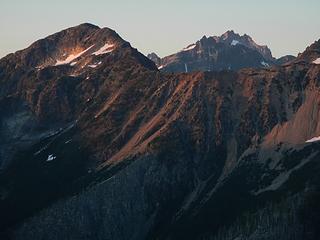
column 164, row 27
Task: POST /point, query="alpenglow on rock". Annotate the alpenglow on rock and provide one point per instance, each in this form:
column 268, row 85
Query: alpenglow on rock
column 106, row 146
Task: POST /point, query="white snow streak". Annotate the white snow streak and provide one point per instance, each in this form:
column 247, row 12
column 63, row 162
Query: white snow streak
column 234, row 42
column 51, row 157
column 71, row 57
column 107, row 48
column 263, row 63
column 93, row 65
column 192, row 46
column 314, row 139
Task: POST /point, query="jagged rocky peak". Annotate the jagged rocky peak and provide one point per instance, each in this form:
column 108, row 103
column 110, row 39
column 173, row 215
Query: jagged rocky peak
column 215, row 53
column 232, row 38
column 230, row 34
column 229, row 51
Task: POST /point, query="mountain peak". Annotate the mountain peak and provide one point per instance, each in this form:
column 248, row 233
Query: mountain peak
column 230, row 37
column 78, row 47
column 229, row 51
column 77, row 30
column 229, row 34
column 57, row 48
column 88, row 25
column 230, row 31
column 204, row 37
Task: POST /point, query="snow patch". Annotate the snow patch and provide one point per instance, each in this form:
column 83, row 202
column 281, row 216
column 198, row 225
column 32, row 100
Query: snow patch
column 186, row 67
column 263, row 63
column 51, row 157
column 160, row 67
column 73, row 63
column 234, row 42
column 317, row 61
column 40, row 67
column 71, row 57
column 314, row 139
column 93, row 65
column 107, row 48
column 192, row 46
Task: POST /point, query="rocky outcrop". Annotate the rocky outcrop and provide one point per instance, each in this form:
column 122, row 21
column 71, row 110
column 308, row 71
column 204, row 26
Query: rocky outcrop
column 155, row 58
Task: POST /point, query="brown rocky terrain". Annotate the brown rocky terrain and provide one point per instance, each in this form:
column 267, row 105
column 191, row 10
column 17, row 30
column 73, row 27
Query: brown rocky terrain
column 96, row 143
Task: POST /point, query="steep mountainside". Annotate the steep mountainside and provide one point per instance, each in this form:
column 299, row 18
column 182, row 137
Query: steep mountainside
column 96, row 143
column 230, row 51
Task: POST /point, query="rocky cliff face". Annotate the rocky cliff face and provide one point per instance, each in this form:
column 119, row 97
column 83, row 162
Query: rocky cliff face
column 119, row 150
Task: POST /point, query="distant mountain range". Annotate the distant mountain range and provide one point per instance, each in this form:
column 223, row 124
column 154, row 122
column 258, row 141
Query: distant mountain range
column 228, row 51
column 97, row 143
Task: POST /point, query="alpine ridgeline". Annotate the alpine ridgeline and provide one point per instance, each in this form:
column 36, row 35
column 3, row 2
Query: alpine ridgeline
column 228, row 51
column 97, row 143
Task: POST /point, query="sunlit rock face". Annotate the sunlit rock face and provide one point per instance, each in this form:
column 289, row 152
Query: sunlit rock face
column 97, row 143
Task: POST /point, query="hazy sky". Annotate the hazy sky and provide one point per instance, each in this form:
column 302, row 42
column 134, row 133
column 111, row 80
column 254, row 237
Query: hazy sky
column 286, row 26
